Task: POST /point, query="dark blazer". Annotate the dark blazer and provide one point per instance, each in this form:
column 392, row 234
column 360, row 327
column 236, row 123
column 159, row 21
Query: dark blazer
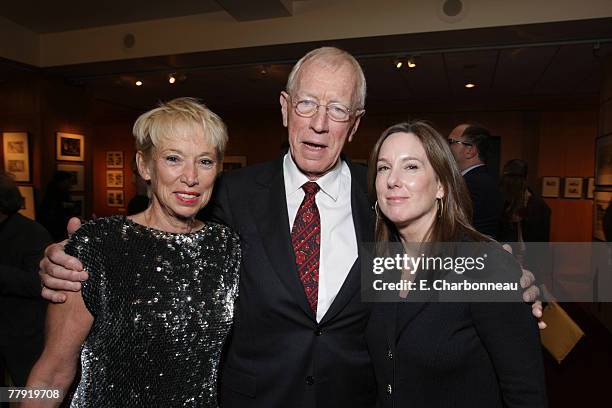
column 278, row 356
column 487, row 201
column 432, row 354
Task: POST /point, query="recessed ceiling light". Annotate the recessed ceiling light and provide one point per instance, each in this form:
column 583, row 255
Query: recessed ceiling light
column 398, row 63
column 138, row 83
column 411, row 63
column 171, row 78
column 470, row 85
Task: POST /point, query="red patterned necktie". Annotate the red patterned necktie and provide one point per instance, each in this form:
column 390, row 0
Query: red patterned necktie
column 306, row 241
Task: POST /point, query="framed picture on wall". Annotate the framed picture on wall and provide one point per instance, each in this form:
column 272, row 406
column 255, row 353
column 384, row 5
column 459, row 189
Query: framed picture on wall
column 79, row 205
column 601, row 202
column 590, row 183
column 28, row 209
column 603, row 161
column 114, row 159
column 77, row 182
column 70, row 147
column 114, row 198
column 573, row 187
column 114, row 178
column 231, row 163
column 17, row 155
column 550, row 187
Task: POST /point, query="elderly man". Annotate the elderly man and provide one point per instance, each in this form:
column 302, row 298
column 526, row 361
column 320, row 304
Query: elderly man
column 470, row 145
column 298, row 336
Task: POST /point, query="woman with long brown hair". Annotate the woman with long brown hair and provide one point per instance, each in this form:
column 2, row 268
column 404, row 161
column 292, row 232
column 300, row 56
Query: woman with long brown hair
column 429, row 353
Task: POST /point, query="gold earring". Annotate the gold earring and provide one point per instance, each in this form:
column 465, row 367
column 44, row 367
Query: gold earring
column 440, row 207
column 376, row 209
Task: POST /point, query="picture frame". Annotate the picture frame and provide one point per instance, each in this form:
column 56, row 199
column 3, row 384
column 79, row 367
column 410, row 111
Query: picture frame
column 603, row 161
column 590, row 187
column 16, row 151
column 551, row 187
column 77, row 183
column 70, row 147
column 114, row 159
column 601, row 201
column 231, row 163
column 28, row 209
column 114, row 178
column 572, row 187
column 115, row 198
column 79, row 202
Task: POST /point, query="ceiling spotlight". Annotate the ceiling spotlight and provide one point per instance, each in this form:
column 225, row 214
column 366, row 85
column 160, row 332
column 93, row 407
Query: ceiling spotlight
column 470, row 85
column 138, row 83
column 398, row 63
column 171, row 78
column 411, row 63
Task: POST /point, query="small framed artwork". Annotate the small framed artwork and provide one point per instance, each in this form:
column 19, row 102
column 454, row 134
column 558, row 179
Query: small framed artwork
column 114, row 198
column 603, row 161
column 114, row 159
column 602, row 200
column 70, row 147
column 77, row 182
column 28, row 207
column 79, row 205
column 573, row 187
column 590, row 183
column 114, row 178
column 550, row 187
column 17, row 155
column 231, row 163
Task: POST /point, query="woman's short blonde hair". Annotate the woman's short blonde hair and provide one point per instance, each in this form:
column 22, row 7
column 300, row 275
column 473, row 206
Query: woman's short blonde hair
column 176, row 117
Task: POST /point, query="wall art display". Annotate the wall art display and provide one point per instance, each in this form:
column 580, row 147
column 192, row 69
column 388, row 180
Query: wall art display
column 28, row 209
column 590, row 182
column 603, row 161
column 70, row 147
column 602, row 200
column 17, row 155
column 573, row 187
column 114, row 159
column 550, row 187
column 231, row 163
column 114, row 178
column 114, row 198
column 79, row 205
column 77, row 182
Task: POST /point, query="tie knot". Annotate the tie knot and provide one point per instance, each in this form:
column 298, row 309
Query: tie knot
column 311, row 188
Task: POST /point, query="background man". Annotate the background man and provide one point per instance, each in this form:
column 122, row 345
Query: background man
column 470, row 145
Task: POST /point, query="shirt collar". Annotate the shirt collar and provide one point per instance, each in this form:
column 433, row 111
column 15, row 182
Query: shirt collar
column 295, row 179
column 466, row 171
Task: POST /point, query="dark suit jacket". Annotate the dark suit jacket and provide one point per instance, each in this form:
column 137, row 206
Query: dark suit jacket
column 487, row 201
column 434, row 355
column 278, row 356
column 22, row 310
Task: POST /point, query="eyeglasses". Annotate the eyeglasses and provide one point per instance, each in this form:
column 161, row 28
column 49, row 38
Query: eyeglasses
column 454, row 141
column 335, row 111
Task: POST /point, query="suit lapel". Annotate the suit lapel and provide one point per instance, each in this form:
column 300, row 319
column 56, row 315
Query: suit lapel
column 364, row 230
column 269, row 210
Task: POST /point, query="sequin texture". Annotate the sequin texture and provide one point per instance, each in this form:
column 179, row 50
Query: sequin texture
column 163, row 305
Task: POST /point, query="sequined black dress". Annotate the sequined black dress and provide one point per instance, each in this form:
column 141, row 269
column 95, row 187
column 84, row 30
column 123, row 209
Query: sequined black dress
column 162, row 304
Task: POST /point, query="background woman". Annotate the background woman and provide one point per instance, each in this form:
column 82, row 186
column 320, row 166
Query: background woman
column 433, row 354
column 152, row 318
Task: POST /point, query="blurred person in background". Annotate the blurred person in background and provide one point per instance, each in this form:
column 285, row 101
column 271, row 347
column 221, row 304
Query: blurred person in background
column 22, row 310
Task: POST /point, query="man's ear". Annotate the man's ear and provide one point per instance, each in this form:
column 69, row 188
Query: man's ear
column 143, row 168
column 356, row 124
column 283, row 101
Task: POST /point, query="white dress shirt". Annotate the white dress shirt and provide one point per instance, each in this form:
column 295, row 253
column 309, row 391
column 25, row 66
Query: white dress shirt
column 466, row 171
column 338, row 250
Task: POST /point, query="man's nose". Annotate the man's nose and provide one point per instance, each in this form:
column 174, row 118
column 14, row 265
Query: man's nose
column 320, row 122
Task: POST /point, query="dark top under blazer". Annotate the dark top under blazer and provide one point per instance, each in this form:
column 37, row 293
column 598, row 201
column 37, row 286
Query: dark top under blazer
column 487, row 202
column 435, row 355
column 278, row 356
